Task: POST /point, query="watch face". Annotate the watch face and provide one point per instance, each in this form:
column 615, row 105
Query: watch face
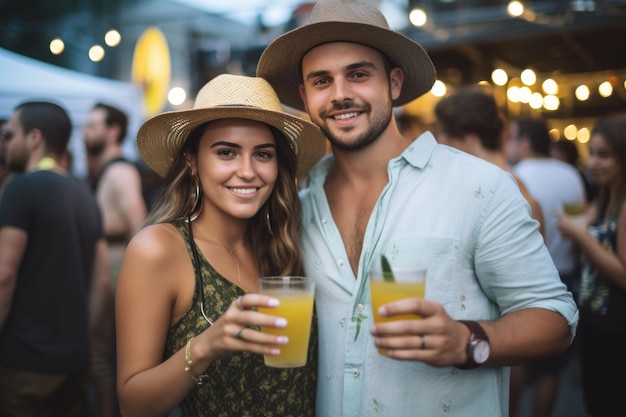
column 481, row 351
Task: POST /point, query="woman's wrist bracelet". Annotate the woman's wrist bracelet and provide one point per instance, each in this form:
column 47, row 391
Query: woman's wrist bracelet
column 188, row 362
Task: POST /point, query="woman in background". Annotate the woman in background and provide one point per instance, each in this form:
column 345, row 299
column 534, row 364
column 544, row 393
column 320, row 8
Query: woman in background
column 601, row 236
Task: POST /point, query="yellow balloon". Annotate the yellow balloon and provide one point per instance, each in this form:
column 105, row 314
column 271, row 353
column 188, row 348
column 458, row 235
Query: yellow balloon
column 152, row 68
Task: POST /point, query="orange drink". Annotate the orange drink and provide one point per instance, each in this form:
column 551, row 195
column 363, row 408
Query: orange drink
column 386, row 292
column 296, row 296
column 407, row 283
column 573, row 208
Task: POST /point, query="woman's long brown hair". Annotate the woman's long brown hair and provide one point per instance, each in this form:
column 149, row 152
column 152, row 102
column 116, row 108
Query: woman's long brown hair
column 277, row 253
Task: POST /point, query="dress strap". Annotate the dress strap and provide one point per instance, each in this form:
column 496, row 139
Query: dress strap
column 197, row 269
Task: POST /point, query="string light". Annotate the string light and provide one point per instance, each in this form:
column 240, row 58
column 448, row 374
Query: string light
column 528, row 77
column 112, row 38
column 605, row 89
column 524, row 94
column 499, row 77
column 583, row 135
column 57, row 46
column 582, row 92
column 554, row 133
column 439, row 89
column 536, row 101
column 550, row 86
column 96, row 53
column 176, row 96
column 418, row 17
column 551, row 102
column 570, row 132
column 515, row 8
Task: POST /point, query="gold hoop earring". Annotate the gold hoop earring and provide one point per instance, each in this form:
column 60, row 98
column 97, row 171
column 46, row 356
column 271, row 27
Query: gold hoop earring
column 268, row 223
column 196, row 198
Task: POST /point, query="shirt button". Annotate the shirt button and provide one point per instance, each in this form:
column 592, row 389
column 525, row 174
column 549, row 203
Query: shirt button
column 340, row 262
column 355, row 373
column 359, row 307
column 324, row 220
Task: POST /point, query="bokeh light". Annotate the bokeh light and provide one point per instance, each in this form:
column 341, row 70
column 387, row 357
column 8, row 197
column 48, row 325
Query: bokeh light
column 582, row 92
column 112, row 38
column 176, row 96
column 418, row 17
column 550, row 86
column 515, row 8
column 57, row 46
column 439, row 89
column 499, row 76
column 96, row 53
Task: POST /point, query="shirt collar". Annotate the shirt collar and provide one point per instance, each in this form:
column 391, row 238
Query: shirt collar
column 418, row 153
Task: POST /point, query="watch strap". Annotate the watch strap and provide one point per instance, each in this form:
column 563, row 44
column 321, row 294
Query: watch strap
column 476, row 333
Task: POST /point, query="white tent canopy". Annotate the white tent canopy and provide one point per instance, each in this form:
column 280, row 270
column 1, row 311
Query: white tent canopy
column 25, row 79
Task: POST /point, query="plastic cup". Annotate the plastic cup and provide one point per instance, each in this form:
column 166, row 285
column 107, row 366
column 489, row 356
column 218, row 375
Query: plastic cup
column 408, row 283
column 296, row 296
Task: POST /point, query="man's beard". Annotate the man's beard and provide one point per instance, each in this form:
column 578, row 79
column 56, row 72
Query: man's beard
column 378, row 124
column 17, row 164
column 95, row 149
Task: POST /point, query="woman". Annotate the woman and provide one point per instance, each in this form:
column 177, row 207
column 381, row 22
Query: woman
column 602, row 296
column 228, row 213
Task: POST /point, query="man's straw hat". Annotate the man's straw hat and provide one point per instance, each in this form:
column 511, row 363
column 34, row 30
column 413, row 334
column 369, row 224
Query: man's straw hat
column 228, row 97
column 344, row 21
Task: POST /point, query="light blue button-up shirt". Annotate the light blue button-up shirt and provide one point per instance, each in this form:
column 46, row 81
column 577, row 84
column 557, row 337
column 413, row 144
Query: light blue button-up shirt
column 466, row 221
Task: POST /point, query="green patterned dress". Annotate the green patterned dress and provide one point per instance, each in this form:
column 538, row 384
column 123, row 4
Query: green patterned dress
column 241, row 384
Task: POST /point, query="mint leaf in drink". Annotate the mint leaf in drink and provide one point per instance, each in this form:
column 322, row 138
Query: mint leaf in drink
column 387, row 273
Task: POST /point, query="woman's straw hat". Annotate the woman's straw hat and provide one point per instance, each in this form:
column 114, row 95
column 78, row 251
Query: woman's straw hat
column 228, row 97
column 344, row 21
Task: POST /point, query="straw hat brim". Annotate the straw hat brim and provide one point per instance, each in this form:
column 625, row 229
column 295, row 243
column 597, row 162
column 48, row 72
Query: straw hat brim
column 160, row 138
column 280, row 61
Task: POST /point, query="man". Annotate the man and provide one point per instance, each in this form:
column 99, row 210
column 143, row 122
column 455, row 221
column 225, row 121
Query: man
column 417, row 203
column 52, row 270
column 5, row 136
column 552, row 183
column 117, row 183
column 469, row 120
column 6, row 171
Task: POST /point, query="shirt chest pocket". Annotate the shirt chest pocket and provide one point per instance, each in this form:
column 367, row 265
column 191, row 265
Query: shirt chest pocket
column 437, row 254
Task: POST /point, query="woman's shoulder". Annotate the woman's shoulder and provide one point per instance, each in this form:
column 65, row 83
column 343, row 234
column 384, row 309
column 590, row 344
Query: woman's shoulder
column 156, row 242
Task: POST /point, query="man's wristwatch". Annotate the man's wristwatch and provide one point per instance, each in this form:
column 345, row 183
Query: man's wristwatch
column 478, row 347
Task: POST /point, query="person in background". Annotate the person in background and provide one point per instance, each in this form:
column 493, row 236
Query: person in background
column 600, row 234
column 4, row 138
column 6, row 170
column 53, row 270
column 409, row 125
column 567, row 151
column 493, row 296
column 118, row 187
column 228, row 213
column 469, row 120
column 116, row 180
column 553, row 183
